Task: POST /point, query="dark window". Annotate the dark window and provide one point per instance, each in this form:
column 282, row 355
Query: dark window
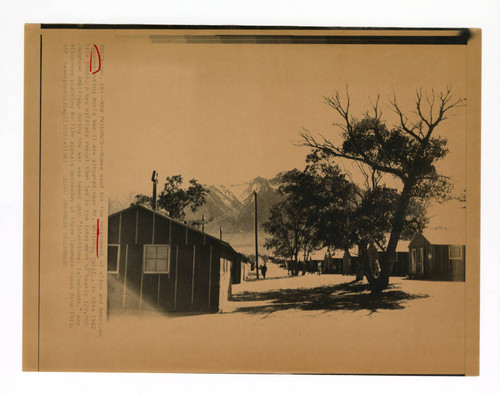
column 113, row 257
column 455, row 252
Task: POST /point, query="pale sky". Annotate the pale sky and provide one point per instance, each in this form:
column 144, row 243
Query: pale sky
column 224, row 113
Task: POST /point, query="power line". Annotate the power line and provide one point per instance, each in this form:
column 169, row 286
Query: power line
column 226, row 215
column 245, row 202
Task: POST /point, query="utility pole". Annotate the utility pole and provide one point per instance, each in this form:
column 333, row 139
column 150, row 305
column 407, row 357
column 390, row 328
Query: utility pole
column 220, row 232
column 154, row 179
column 256, row 241
column 202, row 223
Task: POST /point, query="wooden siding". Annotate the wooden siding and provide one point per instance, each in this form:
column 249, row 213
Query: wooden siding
column 162, row 230
column 193, row 281
column 113, row 224
column 437, row 262
column 128, row 227
column 144, row 227
column 418, row 241
column 201, row 284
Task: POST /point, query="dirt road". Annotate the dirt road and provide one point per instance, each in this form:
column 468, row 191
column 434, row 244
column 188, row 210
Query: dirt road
column 308, row 323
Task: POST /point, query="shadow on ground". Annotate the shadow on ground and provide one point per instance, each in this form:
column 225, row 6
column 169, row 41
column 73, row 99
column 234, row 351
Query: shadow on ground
column 352, row 296
column 267, row 278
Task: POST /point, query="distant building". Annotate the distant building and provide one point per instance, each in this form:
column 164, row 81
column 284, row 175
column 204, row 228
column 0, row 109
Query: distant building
column 437, row 255
column 401, row 265
column 333, row 263
column 349, row 263
column 158, row 263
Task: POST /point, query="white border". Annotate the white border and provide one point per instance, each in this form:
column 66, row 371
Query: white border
column 422, row 13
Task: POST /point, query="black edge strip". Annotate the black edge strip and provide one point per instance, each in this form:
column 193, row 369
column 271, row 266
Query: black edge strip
column 461, row 37
column 39, row 200
column 232, row 27
column 292, row 39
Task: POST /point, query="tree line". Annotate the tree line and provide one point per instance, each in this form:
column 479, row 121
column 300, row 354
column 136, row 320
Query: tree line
column 174, row 199
column 323, row 206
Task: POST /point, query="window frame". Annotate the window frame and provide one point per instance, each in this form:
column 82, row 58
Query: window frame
column 459, row 249
column 413, row 257
column 144, row 271
column 117, row 272
column 420, row 260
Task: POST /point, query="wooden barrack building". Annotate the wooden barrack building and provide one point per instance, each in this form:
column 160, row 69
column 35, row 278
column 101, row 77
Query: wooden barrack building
column 438, row 255
column 158, row 263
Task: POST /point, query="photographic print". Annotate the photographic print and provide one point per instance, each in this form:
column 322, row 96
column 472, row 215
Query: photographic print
column 252, row 200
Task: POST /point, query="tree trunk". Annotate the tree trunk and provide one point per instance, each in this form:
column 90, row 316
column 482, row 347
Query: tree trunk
column 359, row 272
column 382, row 281
column 362, row 267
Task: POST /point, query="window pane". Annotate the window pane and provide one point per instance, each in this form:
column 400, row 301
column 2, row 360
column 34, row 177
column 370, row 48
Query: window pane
column 112, row 258
column 161, row 265
column 150, row 251
column 455, row 252
column 150, row 265
column 161, row 252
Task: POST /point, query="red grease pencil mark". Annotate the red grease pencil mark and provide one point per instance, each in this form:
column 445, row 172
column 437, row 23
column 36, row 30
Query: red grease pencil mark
column 99, row 58
column 97, row 240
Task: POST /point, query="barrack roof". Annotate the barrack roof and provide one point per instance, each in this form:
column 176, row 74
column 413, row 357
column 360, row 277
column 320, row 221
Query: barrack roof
column 157, row 213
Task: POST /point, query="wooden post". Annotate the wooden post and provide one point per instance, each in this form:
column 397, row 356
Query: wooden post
column 169, row 242
column 220, row 233
column 153, row 232
column 125, row 278
column 256, row 239
column 120, row 229
column 136, row 225
column 192, row 277
column 142, row 277
column 154, row 179
column 176, row 275
column 210, row 277
column 202, row 223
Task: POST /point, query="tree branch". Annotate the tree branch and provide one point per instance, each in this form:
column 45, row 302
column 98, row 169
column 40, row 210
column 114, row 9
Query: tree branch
column 328, row 148
column 403, row 120
column 375, row 240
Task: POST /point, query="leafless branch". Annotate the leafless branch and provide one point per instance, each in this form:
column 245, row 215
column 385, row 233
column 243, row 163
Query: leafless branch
column 365, row 174
column 403, row 120
column 377, row 113
column 445, row 102
column 356, row 190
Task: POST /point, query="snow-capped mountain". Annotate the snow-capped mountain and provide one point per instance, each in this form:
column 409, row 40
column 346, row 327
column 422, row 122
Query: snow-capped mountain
column 232, row 207
column 259, row 184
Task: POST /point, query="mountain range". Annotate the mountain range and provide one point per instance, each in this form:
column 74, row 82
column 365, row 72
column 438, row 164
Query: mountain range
column 230, row 207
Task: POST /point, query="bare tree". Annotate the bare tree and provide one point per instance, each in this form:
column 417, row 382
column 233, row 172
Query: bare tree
column 408, row 151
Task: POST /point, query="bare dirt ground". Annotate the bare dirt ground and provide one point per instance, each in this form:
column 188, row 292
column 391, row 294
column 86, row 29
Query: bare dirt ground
column 333, row 295
column 309, row 323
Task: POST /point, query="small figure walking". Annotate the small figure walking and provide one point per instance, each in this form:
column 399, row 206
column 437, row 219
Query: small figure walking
column 319, row 269
column 263, row 269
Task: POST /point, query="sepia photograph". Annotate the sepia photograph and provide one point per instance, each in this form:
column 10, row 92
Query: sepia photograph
column 252, row 200
column 275, row 197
